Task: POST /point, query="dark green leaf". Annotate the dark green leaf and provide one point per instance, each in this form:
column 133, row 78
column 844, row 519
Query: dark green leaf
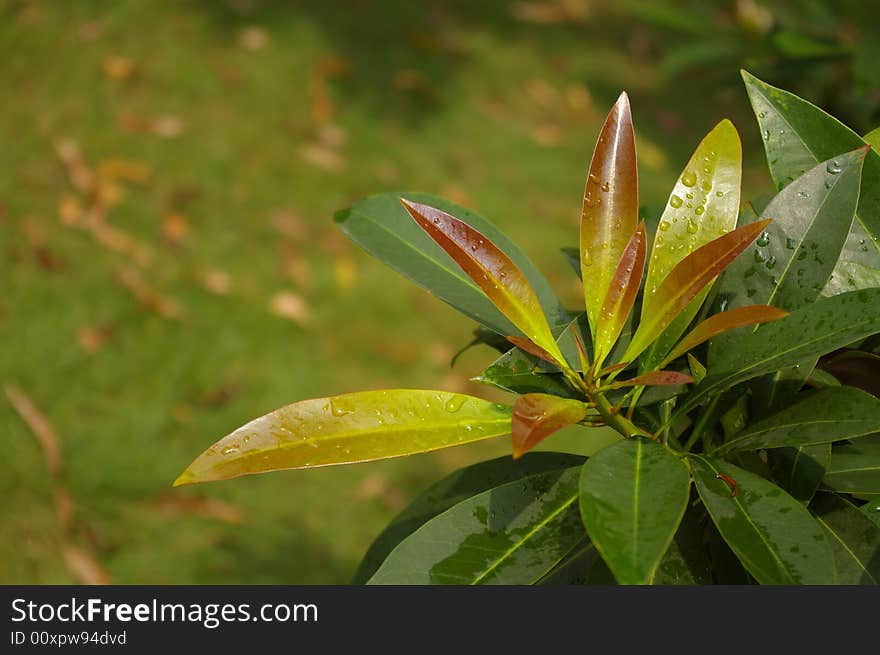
column 382, row 227
column 772, row 534
column 799, row 470
column 855, row 539
column 818, row 328
column 687, row 560
column 853, row 471
column 574, row 567
column 513, row 534
column 818, row 417
column 519, row 372
column 633, row 495
column 451, row 490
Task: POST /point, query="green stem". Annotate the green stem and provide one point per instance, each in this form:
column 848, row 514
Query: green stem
column 702, row 422
column 665, row 414
column 616, row 420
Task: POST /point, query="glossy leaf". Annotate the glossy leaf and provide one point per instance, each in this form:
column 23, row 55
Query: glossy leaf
column 611, row 206
column 382, row 227
column 536, row 416
column 513, row 534
column 703, row 205
column 872, row 138
column 813, row 330
column 355, row 427
column 621, row 295
column 724, row 322
column 451, row 490
column 518, row 372
column 655, row 379
column 633, row 495
column 797, row 136
column 848, row 276
column 698, row 371
column 799, row 471
column 853, row 471
column 792, row 261
column 686, row 280
column 490, row 269
column 818, row 417
column 772, row 534
column 854, row 538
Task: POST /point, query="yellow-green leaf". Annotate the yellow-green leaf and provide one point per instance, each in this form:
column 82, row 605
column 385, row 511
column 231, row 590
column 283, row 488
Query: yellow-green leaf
column 536, row 416
column 355, row 427
column 490, row 269
column 703, row 205
column 686, row 280
column 621, row 295
column 611, row 206
column 723, row 322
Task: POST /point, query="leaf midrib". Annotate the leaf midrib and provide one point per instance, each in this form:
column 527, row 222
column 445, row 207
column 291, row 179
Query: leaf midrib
column 730, row 445
column 845, row 546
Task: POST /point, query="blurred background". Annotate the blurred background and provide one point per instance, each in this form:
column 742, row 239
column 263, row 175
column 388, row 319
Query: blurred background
column 169, row 267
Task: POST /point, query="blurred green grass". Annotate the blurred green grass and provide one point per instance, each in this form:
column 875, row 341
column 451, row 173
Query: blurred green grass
column 300, row 109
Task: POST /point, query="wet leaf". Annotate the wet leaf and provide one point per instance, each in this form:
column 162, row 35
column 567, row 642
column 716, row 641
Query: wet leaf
column 797, row 136
column 655, row 378
column 355, row 427
column 854, row 538
column 799, row 470
column 633, row 495
column 513, row 534
column 813, row 330
column 724, row 322
column 703, row 205
column 451, row 490
column 621, row 295
column 536, row 416
column 853, row 471
column 384, row 229
column 518, row 372
column 817, row 417
column 687, row 560
column 685, row 281
column 610, row 208
column 491, row 270
column 772, row 534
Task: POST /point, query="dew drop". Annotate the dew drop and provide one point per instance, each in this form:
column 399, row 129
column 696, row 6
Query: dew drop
column 760, row 256
column 699, row 210
column 764, row 239
column 675, row 201
column 766, row 135
column 771, row 262
column 692, row 226
column 454, row 404
column 719, row 193
column 606, row 187
column 230, row 450
column 706, row 186
column 664, row 225
column 790, row 244
column 689, row 178
column 833, row 167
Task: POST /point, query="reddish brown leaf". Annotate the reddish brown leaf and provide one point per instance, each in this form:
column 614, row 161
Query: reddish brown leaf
column 524, row 344
column 611, row 206
column 655, row 379
column 686, row 280
column 536, row 416
column 39, row 425
column 491, row 270
column 720, row 323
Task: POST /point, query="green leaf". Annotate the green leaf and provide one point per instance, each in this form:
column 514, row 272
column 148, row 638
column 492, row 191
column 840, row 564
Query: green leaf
column 633, row 495
column 354, row 427
column 854, row 538
column 797, row 136
column 853, row 471
column 574, row 568
column 823, row 416
column 792, row 261
column 513, row 534
column 519, row 372
column 871, row 509
column 610, row 209
column 382, row 227
column 687, row 560
column 816, row 329
column 799, row 470
column 772, row 534
column 873, row 139
column 451, row 490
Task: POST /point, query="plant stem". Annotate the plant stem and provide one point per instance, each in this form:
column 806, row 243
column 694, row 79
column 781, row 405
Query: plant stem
column 702, row 422
column 616, row 420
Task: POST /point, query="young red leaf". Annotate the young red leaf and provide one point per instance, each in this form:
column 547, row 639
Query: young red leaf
column 686, row 280
column 524, row 344
column 621, row 294
column 491, row 270
column 611, row 206
column 655, row 379
column 536, row 416
column 720, row 323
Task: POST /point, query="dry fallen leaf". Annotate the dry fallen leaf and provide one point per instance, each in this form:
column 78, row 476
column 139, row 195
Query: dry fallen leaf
column 39, row 426
column 323, row 157
column 132, row 280
column 81, row 175
column 216, row 281
column 178, row 504
column 253, row 38
column 175, row 228
column 128, row 170
column 289, row 305
column 94, row 337
column 117, row 67
column 84, row 566
column 168, row 126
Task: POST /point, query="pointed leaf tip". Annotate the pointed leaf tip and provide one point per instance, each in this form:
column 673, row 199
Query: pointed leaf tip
column 536, row 416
